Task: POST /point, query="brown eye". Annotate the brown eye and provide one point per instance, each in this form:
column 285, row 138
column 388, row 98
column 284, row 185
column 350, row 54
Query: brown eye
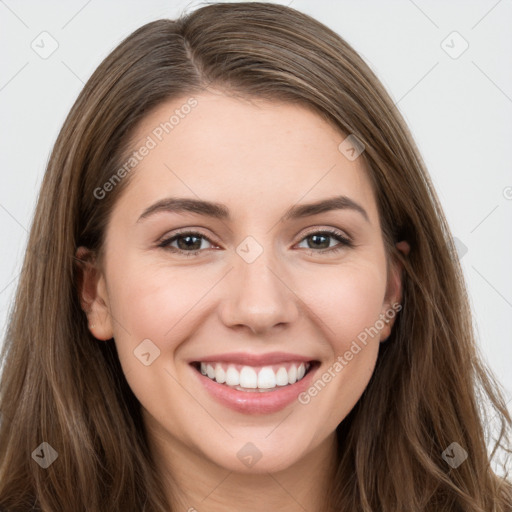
column 188, row 243
column 319, row 241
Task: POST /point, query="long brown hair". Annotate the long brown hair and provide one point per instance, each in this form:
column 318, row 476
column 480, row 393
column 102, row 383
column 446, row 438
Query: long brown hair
column 63, row 387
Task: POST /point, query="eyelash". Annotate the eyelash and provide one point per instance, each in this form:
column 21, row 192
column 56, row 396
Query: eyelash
column 344, row 242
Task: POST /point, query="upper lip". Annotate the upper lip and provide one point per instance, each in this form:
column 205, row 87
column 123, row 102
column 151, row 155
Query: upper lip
column 253, row 359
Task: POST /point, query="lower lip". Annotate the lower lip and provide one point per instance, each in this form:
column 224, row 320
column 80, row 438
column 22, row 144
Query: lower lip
column 256, row 402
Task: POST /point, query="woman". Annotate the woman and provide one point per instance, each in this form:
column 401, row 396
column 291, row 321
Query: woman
column 240, row 291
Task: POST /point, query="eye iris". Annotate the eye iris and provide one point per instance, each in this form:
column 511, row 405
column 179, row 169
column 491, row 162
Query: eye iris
column 188, row 244
column 316, row 238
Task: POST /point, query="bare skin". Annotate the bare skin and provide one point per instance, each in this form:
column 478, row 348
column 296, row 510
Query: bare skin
column 259, row 159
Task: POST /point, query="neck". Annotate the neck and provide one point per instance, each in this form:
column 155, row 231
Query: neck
column 195, row 483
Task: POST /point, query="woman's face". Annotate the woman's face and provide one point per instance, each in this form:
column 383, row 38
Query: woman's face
column 215, row 254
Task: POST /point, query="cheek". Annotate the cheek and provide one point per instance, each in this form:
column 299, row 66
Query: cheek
column 155, row 303
column 348, row 303
column 161, row 305
column 347, row 300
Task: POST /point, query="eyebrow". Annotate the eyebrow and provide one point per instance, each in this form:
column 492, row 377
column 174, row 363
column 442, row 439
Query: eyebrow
column 221, row 211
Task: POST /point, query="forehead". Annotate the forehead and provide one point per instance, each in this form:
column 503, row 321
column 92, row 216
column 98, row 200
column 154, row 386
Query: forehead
column 255, row 154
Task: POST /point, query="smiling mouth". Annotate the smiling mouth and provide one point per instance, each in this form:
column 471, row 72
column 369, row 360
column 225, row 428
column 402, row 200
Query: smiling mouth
column 255, row 378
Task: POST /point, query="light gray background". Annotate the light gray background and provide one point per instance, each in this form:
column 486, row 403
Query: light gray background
column 459, row 111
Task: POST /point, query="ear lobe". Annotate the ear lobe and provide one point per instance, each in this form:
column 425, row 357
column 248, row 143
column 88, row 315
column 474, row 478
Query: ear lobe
column 394, row 290
column 403, row 247
column 93, row 294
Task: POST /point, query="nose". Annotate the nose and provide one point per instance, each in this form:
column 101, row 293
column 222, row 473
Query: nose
column 258, row 297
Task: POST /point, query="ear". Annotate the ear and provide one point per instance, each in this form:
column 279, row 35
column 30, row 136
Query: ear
column 93, row 295
column 393, row 297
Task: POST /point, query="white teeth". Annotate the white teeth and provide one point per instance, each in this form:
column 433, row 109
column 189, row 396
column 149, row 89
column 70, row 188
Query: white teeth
column 232, row 376
column 248, row 378
column 251, row 379
column 220, row 374
column 282, row 376
column 292, row 374
column 266, row 378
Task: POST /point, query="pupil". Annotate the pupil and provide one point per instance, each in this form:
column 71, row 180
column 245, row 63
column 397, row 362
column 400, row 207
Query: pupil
column 316, row 237
column 188, row 244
